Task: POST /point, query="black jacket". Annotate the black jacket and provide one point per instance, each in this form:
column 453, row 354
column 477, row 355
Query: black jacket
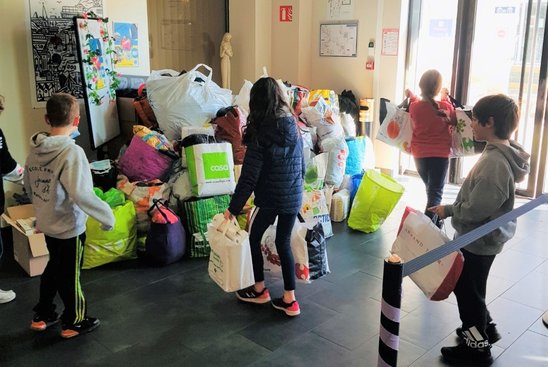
column 7, row 164
column 273, row 168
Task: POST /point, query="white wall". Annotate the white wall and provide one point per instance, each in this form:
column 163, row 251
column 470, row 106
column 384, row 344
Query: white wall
column 295, row 51
column 132, row 11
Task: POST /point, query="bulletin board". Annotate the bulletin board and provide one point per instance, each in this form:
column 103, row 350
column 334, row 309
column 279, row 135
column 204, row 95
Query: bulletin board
column 339, row 39
column 96, row 51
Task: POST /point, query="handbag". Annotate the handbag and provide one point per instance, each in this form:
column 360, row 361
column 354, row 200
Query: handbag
column 230, row 264
column 462, row 136
column 142, row 162
column 143, row 109
column 418, row 235
column 229, row 124
column 166, row 242
column 396, row 129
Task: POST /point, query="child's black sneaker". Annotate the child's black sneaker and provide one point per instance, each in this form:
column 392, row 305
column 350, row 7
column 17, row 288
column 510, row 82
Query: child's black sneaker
column 249, row 294
column 42, row 322
column 493, row 334
column 290, row 309
column 467, row 356
column 85, row 326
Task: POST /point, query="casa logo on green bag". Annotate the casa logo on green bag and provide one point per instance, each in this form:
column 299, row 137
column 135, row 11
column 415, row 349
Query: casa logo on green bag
column 216, row 166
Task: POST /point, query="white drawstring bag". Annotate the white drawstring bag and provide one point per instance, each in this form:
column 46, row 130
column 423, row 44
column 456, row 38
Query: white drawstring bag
column 190, row 99
column 230, row 264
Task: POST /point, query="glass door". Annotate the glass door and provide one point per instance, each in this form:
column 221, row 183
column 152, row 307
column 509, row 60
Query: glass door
column 505, row 58
column 499, row 46
column 431, row 46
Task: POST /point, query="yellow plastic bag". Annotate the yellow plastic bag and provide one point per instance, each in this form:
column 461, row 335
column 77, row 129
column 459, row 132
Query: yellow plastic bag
column 377, row 196
column 103, row 247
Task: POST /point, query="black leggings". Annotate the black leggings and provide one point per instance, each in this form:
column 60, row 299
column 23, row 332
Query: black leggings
column 260, row 221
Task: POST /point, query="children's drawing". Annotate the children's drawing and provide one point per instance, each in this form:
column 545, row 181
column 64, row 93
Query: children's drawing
column 126, row 43
column 53, row 43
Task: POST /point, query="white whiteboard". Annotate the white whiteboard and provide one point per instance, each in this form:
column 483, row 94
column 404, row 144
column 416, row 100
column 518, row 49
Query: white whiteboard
column 99, row 77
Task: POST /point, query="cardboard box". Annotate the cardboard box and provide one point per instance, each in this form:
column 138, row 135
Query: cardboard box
column 30, row 251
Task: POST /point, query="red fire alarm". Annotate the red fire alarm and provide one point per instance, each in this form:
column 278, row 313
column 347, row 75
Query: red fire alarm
column 286, row 13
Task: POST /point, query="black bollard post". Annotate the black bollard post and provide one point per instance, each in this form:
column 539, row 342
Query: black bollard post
column 389, row 339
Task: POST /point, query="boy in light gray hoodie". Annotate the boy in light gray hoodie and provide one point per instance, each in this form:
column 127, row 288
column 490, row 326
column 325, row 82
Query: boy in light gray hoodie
column 58, row 181
column 487, row 193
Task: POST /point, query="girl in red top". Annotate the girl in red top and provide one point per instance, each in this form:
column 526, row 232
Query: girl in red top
column 431, row 139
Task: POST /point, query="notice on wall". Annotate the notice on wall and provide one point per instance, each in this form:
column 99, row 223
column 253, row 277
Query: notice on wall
column 339, row 39
column 340, row 9
column 390, row 38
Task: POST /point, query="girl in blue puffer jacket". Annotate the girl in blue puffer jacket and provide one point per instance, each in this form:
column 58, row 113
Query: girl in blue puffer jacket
column 273, row 169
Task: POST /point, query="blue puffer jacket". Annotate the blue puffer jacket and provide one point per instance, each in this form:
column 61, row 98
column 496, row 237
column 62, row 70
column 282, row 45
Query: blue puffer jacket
column 273, row 169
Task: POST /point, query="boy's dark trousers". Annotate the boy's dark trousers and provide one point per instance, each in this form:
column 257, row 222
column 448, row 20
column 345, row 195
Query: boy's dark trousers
column 62, row 274
column 471, row 289
column 260, row 221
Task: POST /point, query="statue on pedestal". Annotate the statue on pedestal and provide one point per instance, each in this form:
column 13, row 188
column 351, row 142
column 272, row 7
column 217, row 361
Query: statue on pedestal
column 225, row 54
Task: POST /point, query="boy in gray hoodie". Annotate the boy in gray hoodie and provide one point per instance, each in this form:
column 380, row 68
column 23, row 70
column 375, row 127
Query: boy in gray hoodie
column 58, row 181
column 486, row 194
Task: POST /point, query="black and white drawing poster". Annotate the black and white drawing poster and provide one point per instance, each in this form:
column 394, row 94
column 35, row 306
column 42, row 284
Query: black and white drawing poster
column 54, row 61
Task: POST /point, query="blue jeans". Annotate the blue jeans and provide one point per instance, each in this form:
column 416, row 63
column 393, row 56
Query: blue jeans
column 432, row 171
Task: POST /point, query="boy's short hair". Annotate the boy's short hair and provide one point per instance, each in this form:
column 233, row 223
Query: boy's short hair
column 502, row 109
column 61, row 108
column 1, row 104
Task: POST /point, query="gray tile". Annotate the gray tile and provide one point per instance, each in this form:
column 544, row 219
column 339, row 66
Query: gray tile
column 512, row 319
column 353, row 327
column 308, row 350
column 529, row 350
column 530, row 291
column 520, row 263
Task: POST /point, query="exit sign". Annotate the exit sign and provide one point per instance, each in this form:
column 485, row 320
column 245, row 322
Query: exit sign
column 286, row 13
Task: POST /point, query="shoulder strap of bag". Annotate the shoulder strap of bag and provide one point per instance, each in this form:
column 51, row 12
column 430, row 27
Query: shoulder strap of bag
column 160, row 205
column 455, row 102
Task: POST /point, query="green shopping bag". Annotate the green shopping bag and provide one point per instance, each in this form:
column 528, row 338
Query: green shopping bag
column 103, row 247
column 198, row 213
column 377, row 196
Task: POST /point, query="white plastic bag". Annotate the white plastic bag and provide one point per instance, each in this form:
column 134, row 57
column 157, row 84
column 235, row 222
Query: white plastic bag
column 462, row 136
column 418, row 235
column 396, row 129
column 336, row 163
column 242, row 99
column 299, row 249
column 190, row 99
column 230, row 263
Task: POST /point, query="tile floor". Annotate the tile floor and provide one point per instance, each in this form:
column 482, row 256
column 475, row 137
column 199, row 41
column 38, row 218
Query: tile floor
column 176, row 316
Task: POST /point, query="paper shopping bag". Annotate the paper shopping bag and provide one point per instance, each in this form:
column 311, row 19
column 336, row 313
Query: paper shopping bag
column 418, row 235
column 211, row 169
column 230, row 263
